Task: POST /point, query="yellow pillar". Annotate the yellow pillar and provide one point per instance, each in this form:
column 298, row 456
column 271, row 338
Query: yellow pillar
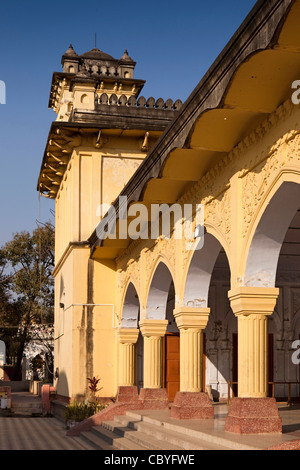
column 191, row 323
column 127, row 356
column 153, row 332
column 252, row 306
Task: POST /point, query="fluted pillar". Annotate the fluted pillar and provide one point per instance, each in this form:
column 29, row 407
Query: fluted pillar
column 252, row 306
column 127, row 390
column 252, row 412
column 191, row 402
column 153, row 332
column 253, row 356
column 191, row 322
column 127, row 356
column 153, row 396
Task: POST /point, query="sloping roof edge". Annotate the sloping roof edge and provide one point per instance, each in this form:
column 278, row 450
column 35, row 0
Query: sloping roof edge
column 256, row 33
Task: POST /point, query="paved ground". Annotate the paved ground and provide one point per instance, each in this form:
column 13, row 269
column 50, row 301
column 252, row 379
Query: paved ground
column 25, row 433
column 21, row 431
column 46, row 433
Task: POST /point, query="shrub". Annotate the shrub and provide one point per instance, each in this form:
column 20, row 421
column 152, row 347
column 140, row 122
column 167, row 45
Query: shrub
column 81, row 411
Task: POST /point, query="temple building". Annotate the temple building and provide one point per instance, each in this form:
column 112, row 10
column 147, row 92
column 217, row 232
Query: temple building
column 181, row 319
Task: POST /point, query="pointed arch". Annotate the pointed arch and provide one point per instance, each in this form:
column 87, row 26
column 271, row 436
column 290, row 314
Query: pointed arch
column 159, row 292
column 200, row 271
column 279, row 209
column 131, row 307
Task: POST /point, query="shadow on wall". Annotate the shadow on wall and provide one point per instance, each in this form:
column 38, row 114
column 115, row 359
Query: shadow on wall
column 62, row 386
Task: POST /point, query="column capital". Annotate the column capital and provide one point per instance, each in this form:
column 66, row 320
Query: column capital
column 191, row 317
column 253, row 300
column 153, row 327
column 128, row 335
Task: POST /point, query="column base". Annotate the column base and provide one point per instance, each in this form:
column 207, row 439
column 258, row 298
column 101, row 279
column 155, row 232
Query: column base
column 154, row 398
column 127, row 394
column 253, row 416
column 192, row 405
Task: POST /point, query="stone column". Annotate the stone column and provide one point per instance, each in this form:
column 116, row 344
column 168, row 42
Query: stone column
column 191, row 402
column 153, row 395
column 252, row 412
column 127, row 339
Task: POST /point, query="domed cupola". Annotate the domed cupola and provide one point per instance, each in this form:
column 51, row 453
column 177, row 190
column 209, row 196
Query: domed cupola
column 70, row 61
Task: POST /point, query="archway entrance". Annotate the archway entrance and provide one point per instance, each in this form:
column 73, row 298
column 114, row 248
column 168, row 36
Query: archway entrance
column 272, row 271
column 284, row 324
column 171, row 350
column 221, row 362
column 207, row 285
column 160, row 306
column 131, row 355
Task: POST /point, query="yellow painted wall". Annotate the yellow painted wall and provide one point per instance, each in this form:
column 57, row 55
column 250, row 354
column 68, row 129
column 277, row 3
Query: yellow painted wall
column 92, row 178
column 85, row 343
column 105, row 326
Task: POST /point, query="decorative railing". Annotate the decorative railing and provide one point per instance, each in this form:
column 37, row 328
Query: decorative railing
column 11, row 361
column 272, row 385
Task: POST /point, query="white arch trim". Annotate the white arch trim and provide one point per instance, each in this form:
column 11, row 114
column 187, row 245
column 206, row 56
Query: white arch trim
column 131, row 308
column 269, row 235
column 200, row 272
column 159, row 292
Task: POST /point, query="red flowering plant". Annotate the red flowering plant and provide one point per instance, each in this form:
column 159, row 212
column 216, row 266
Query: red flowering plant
column 76, row 412
column 93, row 387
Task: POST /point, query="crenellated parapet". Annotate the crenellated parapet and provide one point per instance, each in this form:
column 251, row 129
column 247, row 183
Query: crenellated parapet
column 140, row 102
column 124, row 111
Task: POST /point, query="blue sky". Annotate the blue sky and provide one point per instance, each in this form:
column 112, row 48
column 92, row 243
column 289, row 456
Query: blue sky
column 173, row 43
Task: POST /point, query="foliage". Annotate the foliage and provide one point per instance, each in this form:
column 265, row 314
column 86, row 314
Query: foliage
column 4, row 280
column 78, row 412
column 30, row 258
column 26, row 286
column 81, row 411
column 93, row 381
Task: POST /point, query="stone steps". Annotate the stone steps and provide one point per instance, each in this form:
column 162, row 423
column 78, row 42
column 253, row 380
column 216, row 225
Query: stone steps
column 136, row 432
column 27, row 407
column 138, row 435
column 172, row 440
column 101, row 438
column 200, row 440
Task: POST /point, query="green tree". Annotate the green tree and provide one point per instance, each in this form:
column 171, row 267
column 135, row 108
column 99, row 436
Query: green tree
column 4, row 280
column 7, row 307
column 28, row 260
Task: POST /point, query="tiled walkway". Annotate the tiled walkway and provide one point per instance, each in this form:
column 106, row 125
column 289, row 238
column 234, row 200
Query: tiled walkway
column 25, row 433
column 46, row 433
